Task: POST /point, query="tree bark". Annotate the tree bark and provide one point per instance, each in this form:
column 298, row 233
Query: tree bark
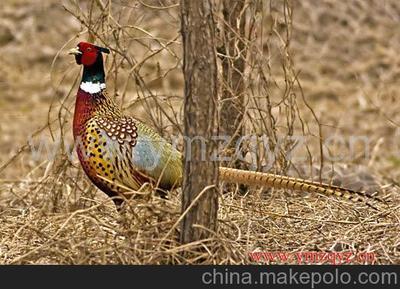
column 200, row 120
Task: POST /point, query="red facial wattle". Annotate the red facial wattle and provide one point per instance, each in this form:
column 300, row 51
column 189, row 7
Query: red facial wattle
column 89, row 53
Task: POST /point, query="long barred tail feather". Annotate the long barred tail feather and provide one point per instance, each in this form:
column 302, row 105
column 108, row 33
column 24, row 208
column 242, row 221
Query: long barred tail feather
column 252, row 178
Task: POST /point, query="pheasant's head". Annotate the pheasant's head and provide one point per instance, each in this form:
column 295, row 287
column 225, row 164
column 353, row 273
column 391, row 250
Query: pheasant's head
column 87, row 53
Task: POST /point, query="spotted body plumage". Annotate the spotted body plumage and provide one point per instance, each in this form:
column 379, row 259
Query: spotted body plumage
column 119, row 153
column 121, row 130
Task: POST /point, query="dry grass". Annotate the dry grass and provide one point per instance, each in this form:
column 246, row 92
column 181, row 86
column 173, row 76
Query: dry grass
column 345, row 57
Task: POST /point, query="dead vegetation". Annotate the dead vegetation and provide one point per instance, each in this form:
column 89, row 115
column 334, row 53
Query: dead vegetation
column 314, row 69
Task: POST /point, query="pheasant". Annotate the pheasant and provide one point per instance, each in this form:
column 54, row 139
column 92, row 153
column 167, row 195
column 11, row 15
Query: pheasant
column 119, row 153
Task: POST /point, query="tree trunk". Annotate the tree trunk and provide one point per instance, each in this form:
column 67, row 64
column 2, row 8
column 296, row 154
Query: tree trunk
column 200, row 120
column 233, row 68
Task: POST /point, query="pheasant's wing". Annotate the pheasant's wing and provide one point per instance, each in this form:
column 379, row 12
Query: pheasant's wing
column 138, row 154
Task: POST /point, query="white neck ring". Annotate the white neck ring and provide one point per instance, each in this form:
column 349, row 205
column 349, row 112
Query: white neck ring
column 92, row 87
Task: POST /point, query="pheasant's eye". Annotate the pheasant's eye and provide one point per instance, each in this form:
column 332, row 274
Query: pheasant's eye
column 88, row 49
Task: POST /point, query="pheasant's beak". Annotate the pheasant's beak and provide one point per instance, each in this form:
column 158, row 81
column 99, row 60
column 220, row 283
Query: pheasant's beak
column 74, row 51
